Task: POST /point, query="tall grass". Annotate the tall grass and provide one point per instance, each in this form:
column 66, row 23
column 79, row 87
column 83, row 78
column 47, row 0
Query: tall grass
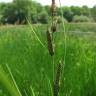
column 31, row 64
column 8, row 83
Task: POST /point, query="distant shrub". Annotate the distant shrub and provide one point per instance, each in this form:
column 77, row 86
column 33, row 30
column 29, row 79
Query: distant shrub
column 43, row 17
column 34, row 18
column 60, row 20
column 81, row 18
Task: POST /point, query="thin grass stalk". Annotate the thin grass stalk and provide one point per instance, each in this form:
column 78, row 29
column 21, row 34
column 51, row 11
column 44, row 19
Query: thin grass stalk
column 8, row 83
column 25, row 92
column 53, row 67
column 65, row 37
column 13, row 80
column 50, row 86
column 33, row 93
column 35, row 34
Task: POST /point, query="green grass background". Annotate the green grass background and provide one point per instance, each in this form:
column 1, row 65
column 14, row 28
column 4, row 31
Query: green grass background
column 31, row 64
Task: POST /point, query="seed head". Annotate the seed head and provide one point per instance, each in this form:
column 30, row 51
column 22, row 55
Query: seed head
column 50, row 43
column 57, row 79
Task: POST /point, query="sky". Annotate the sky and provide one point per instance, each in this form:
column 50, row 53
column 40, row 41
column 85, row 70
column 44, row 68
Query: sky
column 89, row 3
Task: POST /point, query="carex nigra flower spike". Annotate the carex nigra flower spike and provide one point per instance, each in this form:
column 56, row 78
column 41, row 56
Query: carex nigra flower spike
column 53, row 8
column 50, row 42
column 53, row 14
column 57, row 79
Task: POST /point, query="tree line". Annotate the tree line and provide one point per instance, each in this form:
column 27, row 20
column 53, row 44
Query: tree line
column 17, row 12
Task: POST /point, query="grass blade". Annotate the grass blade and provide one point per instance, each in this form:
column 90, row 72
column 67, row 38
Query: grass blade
column 8, row 83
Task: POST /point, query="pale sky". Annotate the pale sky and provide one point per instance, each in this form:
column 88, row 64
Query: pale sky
column 89, row 3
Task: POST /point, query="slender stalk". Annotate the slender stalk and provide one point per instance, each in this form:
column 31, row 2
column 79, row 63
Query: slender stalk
column 13, row 80
column 35, row 34
column 33, row 93
column 8, row 83
column 65, row 36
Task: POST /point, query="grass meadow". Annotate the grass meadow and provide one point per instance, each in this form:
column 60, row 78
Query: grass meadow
column 26, row 68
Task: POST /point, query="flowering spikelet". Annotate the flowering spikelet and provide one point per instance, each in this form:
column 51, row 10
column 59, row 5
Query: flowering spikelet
column 53, row 8
column 57, row 80
column 53, row 13
column 53, row 28
column 54, row 24
column 50, row 43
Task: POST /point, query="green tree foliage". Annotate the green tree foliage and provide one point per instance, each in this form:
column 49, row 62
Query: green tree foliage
column 34, row 18
column 9, row 15
column 93, row 12
column 86, row 11
column 2, row 7
column 68, row 14
column 43, row 17
column 76, row 10
column 24, row 8
column 17, row 11
column 36, row 10
column 47, row 9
